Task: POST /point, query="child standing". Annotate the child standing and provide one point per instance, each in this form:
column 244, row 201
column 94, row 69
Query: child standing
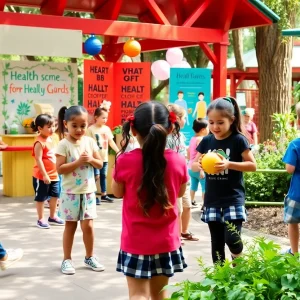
column 201, row 130
column 150, row 244
column 292, row 200
column 103, row 137
column 178, row 145
column 224, row 201
column 45, row 177
column 77, row 155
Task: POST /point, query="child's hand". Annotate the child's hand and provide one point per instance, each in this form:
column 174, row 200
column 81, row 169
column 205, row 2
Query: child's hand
column 85, row 157
column 200, row 161
column 46, row 179
column 222, row 165
column 202, row 174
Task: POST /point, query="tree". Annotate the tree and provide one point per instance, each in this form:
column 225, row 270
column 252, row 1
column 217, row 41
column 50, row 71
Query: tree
column 274, row 55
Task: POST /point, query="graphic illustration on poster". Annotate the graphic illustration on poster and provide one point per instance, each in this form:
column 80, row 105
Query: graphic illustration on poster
column 190, row 89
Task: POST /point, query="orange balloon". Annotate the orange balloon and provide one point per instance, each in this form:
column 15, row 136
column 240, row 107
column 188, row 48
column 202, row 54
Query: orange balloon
column 132, row 48
column 208, row 162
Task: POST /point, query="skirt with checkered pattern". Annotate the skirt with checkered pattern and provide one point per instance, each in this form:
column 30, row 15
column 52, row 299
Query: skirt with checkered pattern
column 147, row 266
column 223, row 214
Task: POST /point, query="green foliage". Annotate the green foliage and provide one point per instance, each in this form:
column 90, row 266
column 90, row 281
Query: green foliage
column 260, row 273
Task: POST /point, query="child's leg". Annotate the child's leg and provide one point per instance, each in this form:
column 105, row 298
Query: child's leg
column 293, row 231
column 103, row 174
column 87, row 228
column 233, row 238
column 53, row 207
column 217, row 241
column 40, row 209
column 157, row 283
column 139, row 289
column 194, row 184
column 68, row 238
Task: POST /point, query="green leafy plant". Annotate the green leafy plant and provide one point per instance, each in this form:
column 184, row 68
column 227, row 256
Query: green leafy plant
column 116, row 130
column 260, row 273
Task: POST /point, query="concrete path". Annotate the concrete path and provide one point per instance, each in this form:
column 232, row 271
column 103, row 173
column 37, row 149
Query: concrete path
column 37, row 276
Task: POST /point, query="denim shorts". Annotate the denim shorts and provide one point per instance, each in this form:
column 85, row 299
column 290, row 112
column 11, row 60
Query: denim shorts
column 291, row 211
column 195, row 180
column 45, row 191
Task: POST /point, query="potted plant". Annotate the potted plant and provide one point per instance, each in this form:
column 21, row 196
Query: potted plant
column 27, row 125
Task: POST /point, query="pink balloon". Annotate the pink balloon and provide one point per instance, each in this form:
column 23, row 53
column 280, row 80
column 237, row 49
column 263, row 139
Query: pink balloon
column 160, row 70
column 174, row 56
column 183, row 64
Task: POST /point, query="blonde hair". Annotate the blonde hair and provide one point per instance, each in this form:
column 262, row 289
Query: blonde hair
column 177, row 110
column 297, row 108
column 249, row 112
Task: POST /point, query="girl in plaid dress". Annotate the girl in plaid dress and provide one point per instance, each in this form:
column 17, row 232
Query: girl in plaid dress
column 150, row 179
column 224, row 201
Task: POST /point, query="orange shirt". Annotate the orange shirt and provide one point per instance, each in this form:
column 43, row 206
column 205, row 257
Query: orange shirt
column 48, row 158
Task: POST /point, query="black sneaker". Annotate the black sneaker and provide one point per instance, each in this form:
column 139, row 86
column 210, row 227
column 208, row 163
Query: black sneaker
column 98, row 201
column 194, row 203
column 107, row 199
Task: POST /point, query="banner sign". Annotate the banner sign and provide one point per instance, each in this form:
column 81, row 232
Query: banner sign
column 190, row 89
column 24, row 83
column 125, row 85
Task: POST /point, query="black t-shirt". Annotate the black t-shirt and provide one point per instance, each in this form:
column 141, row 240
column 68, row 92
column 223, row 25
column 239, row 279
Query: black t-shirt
column 227, row 188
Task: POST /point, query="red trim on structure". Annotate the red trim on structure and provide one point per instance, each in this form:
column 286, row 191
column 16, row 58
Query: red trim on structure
column 209, row 53
column 179, row 11
column 53, row 7
column 196, row 14
column 2, row 4
column 156, row 12
column 220, row 71
column 228, row 14
column 110, row 10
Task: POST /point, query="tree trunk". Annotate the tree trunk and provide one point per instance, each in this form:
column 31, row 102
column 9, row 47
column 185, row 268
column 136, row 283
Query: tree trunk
column 202, row 60
column 237, row 37
column 275, row 80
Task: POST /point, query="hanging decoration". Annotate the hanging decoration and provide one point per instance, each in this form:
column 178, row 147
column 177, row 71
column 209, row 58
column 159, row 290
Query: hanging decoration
column 161, row 70
column 132, row 48
column 174, row 56
column 92, row 45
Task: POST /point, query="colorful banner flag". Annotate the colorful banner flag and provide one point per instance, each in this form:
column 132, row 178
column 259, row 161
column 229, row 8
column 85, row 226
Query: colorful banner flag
column 190, row 89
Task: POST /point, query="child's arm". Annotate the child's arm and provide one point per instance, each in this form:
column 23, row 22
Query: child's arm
column 113, row 145
column 96, row 160
column 38, row 154
column 247, row 165
column 290, row 169
column 118, row 189
column 64, row 168
column 3, row 145
column 196, row 166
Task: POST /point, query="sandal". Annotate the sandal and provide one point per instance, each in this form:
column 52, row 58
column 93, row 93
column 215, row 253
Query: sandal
column 189, row 237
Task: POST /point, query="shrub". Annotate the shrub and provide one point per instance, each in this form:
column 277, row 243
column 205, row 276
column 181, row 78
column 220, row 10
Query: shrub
column 261, row 273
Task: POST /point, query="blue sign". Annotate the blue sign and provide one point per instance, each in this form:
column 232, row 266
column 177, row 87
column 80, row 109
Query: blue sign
column 190, row 89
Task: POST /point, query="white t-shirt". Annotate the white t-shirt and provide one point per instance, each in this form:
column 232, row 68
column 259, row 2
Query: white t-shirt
column 81, row 180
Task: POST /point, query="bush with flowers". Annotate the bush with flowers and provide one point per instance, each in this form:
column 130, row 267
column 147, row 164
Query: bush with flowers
column 27, row 122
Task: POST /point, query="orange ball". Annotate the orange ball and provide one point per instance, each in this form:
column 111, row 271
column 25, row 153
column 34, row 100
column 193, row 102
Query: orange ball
column 132, row 48
column 209, row 161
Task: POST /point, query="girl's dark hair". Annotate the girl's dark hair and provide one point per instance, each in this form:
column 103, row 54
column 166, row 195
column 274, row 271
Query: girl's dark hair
column 229, row 108
column 67, row 114
column 42, row 120
column 98, row 111
column 151, row 121
column 199, row 124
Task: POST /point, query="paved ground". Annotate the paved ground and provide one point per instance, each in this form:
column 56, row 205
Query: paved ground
column 37, row 276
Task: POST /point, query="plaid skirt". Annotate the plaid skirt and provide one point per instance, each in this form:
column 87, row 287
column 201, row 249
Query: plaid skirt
column 147, row 266
column 291, row 211
column 223, row 214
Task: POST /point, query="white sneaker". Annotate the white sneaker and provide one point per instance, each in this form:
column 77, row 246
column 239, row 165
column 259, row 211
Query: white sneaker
column 13, row 255
column 67, row 267
column 93, row 263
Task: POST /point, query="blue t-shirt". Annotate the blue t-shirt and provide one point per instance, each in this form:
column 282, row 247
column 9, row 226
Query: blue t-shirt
column 227, row 188
column 292, row 157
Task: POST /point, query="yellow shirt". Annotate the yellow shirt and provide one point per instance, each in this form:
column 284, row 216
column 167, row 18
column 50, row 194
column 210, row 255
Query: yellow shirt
column 201, row 109
column 102, row 135
column 81, row 180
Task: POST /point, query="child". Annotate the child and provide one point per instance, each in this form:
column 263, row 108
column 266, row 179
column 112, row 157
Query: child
column 292, row 200
column 77, row 155
column 201, row 130
column 149, row 180
column 45, row 177
column 224, row 200
column 179, row 146
column 104, row 137
column 9, row 257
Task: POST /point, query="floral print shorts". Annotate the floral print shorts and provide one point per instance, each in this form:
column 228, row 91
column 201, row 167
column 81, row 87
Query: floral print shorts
column 75, row 207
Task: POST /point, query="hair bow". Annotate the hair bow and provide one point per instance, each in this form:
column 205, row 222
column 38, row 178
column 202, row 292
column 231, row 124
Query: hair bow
column 172, row 117
column 130, row 119
column 106, row 105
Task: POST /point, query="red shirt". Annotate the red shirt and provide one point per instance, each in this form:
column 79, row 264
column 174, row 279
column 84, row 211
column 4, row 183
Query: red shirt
column 158, row 232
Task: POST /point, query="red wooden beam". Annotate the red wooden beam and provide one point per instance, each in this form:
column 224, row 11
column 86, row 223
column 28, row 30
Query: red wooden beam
column 110, row 10
column 53, row 7
column 209, row 53
column 196, row 14
column 116, row 28
column 220, row 71
column 239, row 81
column 156, row 12
column 2, row 4
column 228, row 13
column 178, row 11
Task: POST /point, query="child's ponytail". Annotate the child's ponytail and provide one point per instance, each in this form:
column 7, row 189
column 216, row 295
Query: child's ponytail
column 61, row 126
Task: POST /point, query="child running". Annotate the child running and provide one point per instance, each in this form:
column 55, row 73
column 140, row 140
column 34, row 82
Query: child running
column 150, row 179
column 104, row 137
column 292, row 200
column 201, row 130
column 224, row 201
column 45, row 177
column 77, row 156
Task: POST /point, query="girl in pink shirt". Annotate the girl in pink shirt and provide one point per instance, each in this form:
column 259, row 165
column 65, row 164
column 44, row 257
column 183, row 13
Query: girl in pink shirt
column 150, row 179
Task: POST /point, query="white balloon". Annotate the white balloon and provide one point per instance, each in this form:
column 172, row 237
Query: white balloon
column 183, row 64
column 174, row 56
column 160, row 70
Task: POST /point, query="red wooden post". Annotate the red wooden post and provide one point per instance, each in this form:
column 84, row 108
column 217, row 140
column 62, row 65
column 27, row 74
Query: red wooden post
column 220, row 70
column 232, row 86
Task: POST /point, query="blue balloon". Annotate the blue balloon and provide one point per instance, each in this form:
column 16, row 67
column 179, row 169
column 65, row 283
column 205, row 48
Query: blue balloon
column 92, row 45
